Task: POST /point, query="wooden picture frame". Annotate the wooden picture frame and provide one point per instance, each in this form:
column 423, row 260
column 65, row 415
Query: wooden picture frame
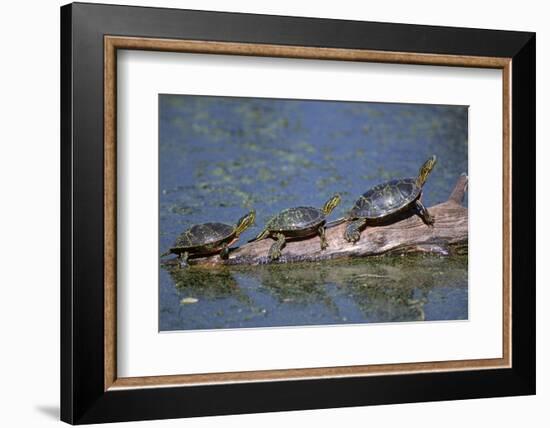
column 91, row 390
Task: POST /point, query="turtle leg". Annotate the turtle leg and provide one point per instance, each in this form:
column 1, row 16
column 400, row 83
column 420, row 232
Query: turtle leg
column 183, row 259
column 224, row 253
column 321, row 232
column 275, row 250
column 423, row 213
column 353, row 233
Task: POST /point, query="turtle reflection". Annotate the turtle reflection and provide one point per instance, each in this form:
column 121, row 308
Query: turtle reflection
column 217, row 300
column 208, row 283
column 383, row 290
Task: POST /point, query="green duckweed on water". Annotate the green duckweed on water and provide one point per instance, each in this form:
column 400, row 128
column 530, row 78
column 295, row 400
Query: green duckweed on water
column 221, row 156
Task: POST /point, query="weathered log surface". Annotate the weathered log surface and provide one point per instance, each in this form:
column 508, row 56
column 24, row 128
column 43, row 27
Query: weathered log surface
column 448, row 235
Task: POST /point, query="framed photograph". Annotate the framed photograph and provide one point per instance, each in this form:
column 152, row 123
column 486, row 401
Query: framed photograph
column 266, row 213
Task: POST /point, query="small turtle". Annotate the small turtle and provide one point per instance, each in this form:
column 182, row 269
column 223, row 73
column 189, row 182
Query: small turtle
column 299, row 222
column 388, row 199
column 209, row 238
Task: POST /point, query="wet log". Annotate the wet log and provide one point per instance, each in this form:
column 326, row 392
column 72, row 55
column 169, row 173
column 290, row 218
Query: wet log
column 405, row 235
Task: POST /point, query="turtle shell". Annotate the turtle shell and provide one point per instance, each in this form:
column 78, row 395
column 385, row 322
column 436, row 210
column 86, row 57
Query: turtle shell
column 206, row 234
column 295, row 219
column 386, row 199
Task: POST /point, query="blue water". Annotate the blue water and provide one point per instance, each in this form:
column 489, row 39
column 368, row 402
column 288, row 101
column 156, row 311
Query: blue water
column 221, row 157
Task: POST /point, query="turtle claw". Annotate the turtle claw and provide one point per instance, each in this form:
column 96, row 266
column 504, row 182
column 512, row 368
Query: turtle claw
column 183, row 260
column 424, row 214
column 274, row 254
column 275, row 249
column 324, row 243
column 352, row 233
column 352, row 237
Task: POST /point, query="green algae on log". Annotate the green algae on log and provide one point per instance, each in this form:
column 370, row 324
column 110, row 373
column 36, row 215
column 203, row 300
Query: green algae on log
column 409, row 234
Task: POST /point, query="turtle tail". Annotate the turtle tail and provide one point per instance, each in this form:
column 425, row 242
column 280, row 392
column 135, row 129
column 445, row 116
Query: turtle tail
column 336, row 222
column 263, row 234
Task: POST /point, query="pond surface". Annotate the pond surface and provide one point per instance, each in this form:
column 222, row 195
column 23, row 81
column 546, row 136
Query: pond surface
column 221, row 157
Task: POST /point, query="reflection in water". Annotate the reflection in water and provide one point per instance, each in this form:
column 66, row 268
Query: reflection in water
column 387, row 289
column 219, row 156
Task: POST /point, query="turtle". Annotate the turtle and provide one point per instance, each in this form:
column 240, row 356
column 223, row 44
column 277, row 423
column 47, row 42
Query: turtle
column 209, row 238
column 298, row 222
column 387, row 200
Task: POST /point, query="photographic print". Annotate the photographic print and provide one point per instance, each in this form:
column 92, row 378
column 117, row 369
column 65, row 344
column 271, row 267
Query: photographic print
column 268, row 198
column 287, row 212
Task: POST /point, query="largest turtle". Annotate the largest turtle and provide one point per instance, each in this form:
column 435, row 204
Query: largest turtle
column 388, row 200
column 297, row 222
column 209, row 238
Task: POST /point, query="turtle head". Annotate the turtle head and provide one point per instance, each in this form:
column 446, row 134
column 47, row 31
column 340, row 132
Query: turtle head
column 331, row 204
column 425, row 170
column 245, row 222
